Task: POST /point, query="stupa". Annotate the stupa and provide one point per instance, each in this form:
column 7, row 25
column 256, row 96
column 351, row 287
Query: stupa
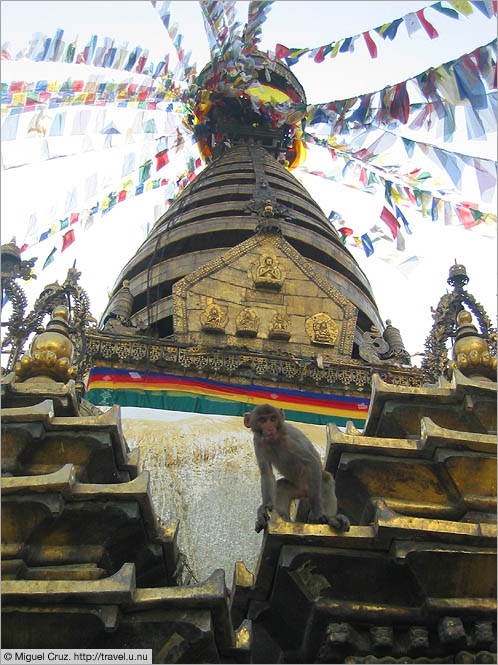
column 242, row 294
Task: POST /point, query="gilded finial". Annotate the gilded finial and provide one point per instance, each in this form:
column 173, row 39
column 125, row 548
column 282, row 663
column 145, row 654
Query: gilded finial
column 268, row 209
column 51, row 353
column 471, row 351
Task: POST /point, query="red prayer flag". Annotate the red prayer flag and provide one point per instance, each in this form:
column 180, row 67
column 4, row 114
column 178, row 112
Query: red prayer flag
column 122, row 195
column 400, row 106
column 428, row 27
column 390, row 220
column 466, row 217
column 198, row 162
column 346, row 231
column 162, row 159
column 74, row 217
column 319, row 57
column 281, row 51
column 372, row 48
column 67, row 239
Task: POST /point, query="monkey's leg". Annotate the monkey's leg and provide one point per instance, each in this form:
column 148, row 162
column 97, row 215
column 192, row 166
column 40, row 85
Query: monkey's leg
column 286, row 491
column 335, row 519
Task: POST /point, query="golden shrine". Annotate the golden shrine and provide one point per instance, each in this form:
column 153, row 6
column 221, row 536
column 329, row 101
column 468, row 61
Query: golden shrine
column 243, row 293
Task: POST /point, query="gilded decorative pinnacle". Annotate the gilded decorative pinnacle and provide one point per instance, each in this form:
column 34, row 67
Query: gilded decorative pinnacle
column 471, row 351
column 51, row 354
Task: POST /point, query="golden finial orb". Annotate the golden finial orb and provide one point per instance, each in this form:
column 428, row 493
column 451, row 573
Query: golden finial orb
column 471, row 350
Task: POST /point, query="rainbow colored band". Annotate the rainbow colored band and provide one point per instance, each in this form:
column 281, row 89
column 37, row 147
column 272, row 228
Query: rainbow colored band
column 109, row 385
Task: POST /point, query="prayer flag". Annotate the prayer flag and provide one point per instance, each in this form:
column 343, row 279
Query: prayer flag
column 162, row 159
column 408, row 266
column 67, row 239
column 390, row 220
column 281, row 51
column 409, row 146
column 462, row 6
column 144, row 171
column 367, row 244
column 400, row 242
column 400, row 106
column 372, row 48
column 49, row 258
column 428, row 27
column 412, row 24
column 447, row 11
column 399, row 214
column 465, row 216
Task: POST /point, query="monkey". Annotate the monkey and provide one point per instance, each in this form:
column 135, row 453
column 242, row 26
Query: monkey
column 280, row 445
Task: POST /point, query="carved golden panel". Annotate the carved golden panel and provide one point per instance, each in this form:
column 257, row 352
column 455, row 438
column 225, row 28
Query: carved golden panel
column 214, row 318
column 322, row 329
column 230, row 282
column 247, row 323
column 268, row 274
column 280, row 327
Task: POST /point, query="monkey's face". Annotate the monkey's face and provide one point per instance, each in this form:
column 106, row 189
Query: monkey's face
column 269, row 425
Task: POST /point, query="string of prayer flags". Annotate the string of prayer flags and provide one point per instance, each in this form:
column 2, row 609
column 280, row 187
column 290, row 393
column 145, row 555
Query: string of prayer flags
column 413, row 21
column 256, row 16
column 454, row 83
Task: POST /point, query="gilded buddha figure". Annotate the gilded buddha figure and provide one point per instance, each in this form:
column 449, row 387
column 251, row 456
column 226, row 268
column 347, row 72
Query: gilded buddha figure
column 214, row 318
column 322, row 329
column 268, row 273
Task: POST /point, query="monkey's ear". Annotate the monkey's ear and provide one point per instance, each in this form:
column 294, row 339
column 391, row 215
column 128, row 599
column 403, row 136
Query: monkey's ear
column 247, row 419
column 282, row 414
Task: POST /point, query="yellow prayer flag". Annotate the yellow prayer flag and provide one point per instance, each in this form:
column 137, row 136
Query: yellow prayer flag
column 149, row 185
column 335, row 50
column 462, row 6
column 425, row 202
column 18, row 98
column 396, row 195
column 384, row 28
column 53, row 86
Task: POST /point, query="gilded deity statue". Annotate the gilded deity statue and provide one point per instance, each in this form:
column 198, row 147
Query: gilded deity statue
column 214, row 318
column 280, row 327
column 322, row 329
column 247, row 323
column 268, row 273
